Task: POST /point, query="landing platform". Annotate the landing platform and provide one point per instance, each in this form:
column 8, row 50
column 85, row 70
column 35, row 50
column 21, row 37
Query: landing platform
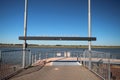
column 58, row 72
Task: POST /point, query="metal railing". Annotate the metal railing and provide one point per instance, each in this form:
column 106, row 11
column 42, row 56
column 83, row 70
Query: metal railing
column 40, row 55
column 11, row 62
column 98, row 62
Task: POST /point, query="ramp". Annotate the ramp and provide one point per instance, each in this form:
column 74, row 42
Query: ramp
column 66, row 63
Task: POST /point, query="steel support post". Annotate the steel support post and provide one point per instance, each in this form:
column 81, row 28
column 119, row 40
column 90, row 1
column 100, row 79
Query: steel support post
column 109, row 71
column 25, row 34
column 30, row 58
column 89, row 32
column 0, row 56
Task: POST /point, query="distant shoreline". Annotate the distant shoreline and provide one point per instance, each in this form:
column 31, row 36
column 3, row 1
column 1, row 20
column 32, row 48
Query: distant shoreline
column 54, row 46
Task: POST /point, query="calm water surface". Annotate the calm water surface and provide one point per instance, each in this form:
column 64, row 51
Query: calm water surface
column 16, row 57
column 112, row 51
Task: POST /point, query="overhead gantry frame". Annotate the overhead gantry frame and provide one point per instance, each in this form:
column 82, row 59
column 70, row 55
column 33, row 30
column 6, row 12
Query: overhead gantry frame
column 25, row 37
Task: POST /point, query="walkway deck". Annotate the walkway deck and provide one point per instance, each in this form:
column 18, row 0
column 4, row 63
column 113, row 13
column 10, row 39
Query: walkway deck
column 58, row 72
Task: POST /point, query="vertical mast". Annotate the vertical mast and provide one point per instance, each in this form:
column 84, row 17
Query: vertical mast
column 25, row 33
column 89, row 33
column 25, row 21
column 89, row 24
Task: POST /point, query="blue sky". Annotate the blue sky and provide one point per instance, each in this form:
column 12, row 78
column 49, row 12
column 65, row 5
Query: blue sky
column 61, row 18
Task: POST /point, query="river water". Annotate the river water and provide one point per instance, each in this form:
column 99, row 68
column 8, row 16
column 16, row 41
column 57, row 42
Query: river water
column 113, row 51
column 9, row 55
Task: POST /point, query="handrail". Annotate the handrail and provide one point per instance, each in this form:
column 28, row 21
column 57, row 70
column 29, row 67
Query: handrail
column 14, row 50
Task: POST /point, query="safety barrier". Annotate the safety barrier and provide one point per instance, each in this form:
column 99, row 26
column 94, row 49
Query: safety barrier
column 98, row 62
column 11, row 62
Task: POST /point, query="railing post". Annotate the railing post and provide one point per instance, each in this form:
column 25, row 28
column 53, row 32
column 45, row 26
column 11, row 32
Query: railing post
column 46, row 55
column 109, row 67
column 30, row 59
column 77, row 57
column 54, row 55
column 80, row 59
column 23, row 60
column 39, row 56
column 89, row 53
column 64, row 53
column 84, row 58
column 0, row 58
column 35, row 57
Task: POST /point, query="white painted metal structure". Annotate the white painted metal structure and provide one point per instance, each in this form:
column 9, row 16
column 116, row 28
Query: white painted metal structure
column 89, row 31
column 89, row 23
column 25, row 33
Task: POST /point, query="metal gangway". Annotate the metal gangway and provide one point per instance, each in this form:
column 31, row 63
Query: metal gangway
column 61, row 64
column 55, row 65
